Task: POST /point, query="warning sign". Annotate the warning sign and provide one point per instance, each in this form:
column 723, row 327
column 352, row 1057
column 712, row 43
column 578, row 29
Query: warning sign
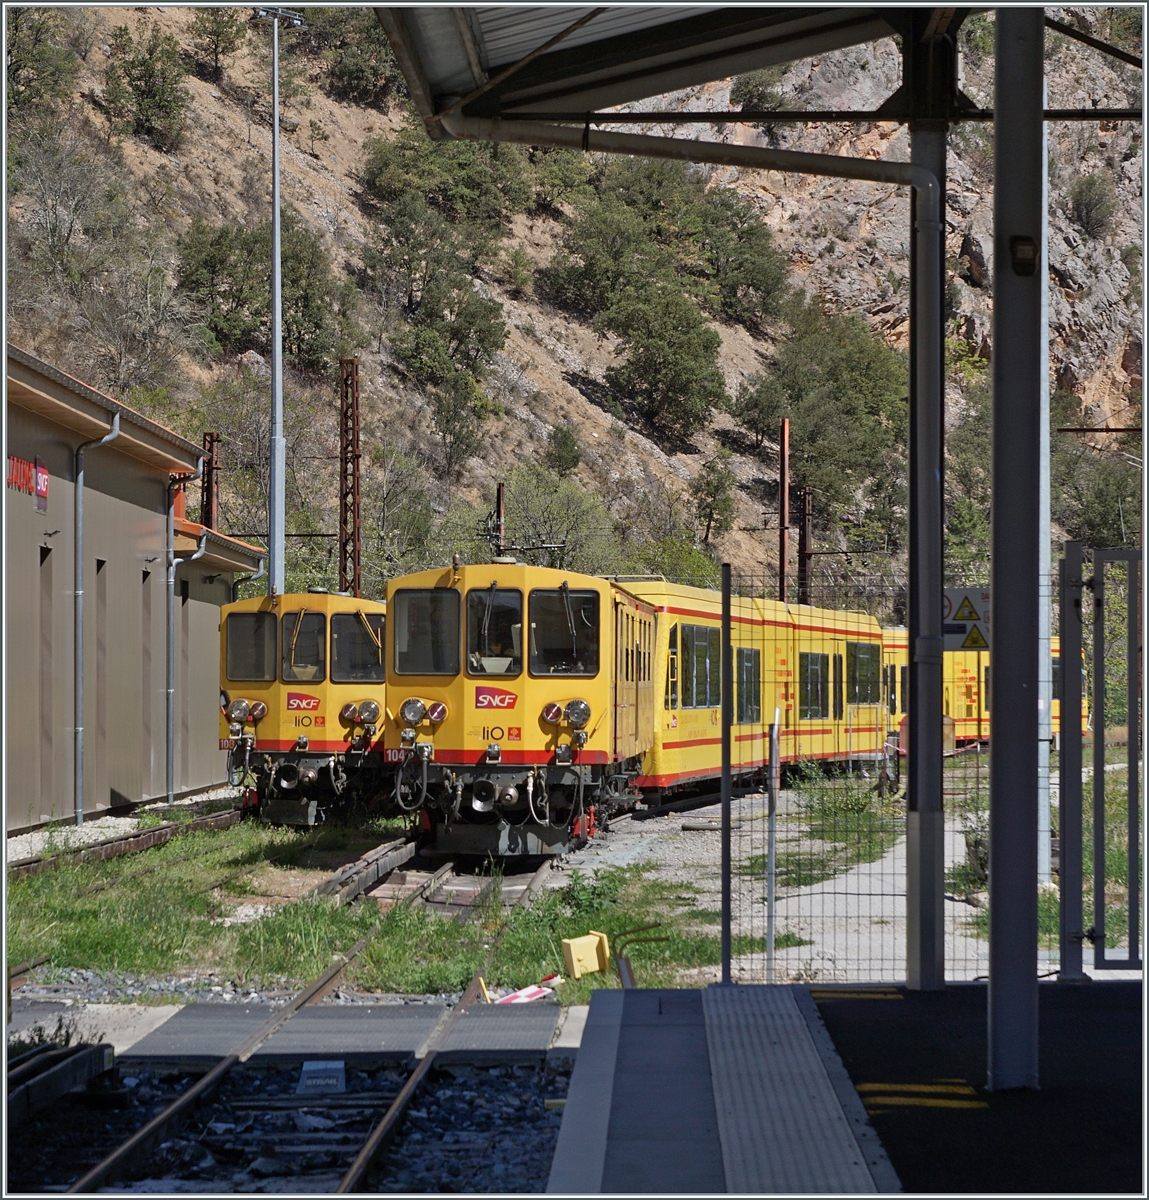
column 966, row 618
column 975, row 640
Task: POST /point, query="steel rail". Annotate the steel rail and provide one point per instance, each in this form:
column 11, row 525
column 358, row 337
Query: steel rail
column 382, row 1134
column 144, row 1140
column 124, row 843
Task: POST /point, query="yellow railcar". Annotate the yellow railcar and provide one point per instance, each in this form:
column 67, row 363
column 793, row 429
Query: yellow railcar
column 518, row 697
column 302, row 698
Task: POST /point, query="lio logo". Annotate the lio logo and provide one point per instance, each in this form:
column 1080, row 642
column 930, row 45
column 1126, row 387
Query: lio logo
column 489, row 697
column 301, row 702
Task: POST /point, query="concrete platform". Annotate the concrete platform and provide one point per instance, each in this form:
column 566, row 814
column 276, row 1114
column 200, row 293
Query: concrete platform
column 723, row 1090
column 199, row 1035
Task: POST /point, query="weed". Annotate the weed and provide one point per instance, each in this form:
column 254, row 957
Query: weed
column 64, row 1033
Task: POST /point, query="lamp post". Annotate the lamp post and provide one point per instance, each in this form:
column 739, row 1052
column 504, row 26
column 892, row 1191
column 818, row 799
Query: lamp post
column 276, row 497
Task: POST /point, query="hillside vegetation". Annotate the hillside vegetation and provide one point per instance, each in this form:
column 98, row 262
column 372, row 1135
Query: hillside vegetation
column 616, row 339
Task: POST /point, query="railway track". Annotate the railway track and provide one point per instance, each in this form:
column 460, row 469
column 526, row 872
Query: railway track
column 245, row 1126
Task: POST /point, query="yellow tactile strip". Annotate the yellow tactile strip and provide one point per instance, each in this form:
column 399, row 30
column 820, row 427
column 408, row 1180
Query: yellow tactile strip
column 942, row 1093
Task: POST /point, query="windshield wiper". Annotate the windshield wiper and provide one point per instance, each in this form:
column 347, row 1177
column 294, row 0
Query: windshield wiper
column 566, row 595
column 295, row 635
column 376, row 639
column 485, row 635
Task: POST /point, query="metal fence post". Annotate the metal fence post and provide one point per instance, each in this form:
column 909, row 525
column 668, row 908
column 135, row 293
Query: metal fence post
column 727, row 723
column 775, row 778
column 1069, row 765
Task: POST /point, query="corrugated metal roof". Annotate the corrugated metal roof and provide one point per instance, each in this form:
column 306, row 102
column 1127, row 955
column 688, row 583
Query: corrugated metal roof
column 624, row 54
column 510, row 33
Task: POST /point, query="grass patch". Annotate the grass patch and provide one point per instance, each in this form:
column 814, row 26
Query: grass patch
column 153, row 912
column 841, row 823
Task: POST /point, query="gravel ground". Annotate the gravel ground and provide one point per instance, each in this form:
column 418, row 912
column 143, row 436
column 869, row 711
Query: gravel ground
column 80, row 986
column 56, row 839
column 478, row 1129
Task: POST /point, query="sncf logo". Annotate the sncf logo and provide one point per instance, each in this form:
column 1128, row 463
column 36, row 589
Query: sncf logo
column 489, row 697
column 301, row 702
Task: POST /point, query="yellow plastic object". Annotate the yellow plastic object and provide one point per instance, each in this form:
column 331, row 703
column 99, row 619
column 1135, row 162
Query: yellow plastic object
column 586, row 955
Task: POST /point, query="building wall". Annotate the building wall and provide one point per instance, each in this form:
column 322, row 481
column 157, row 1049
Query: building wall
column 125, row 637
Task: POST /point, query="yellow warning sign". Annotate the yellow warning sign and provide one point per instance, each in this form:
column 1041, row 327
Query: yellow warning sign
column 966, row 612
column 975, row 640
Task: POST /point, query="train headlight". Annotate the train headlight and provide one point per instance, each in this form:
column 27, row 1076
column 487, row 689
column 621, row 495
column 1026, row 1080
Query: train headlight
column 578, row 713
column 552, row 713
column 437, row 712
column 369, row 712
column 349, row 713
column 238, row 711
column 258, row 710
column 412, row 711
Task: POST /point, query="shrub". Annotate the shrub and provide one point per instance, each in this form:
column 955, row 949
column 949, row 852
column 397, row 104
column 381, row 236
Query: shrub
column 1091, row 204
column 563, row 453
column 458, row 410
column 217, row 33
column 759, row 407
column 40, row 68
column 671, row 369
column 143, row 93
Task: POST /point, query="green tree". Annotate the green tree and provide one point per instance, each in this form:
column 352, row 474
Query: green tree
column 477, row 182
column 670, row 370
column 608, row 248
column 712, row 490
column 749, row 275
column 844, row 391
column 217, row 34
column 360, row 64
column 40, row 66
column 143, row 93
column 563, row 453
column 558, row 175
column 758, row 406
column 757, row 91
column 458, row 409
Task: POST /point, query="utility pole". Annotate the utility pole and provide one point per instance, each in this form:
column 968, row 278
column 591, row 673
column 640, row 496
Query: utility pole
column 276, row 506
column 350, row 538
column 501, row 518
column 209, row 489
column 783, row 507
column 805, row 542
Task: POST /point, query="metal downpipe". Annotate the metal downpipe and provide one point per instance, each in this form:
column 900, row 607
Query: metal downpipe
column 170, row 737
column 78, row 612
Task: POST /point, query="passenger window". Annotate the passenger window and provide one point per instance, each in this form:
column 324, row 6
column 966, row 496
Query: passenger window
column 813, row 689
column 564, row 632
column 495, row 631
column 670, row 695
column 251, row 647
column 357, row 647
column 304, row 647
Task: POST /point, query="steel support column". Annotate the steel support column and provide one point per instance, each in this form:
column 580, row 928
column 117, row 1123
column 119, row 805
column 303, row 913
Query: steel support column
column 925, row 859
column 1017, row 371
column 727, row 694
column 350, row 514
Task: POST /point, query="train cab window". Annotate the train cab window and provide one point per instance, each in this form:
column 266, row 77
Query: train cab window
column 863, row 673
column 426, row 625
column 748, row 668
column 670, row 696
column 564, row 632
column 892, row 688
column 813, row 687
column 357, row 647
column 304, row 651
column 1056, row 678
column 905, row 688
column 839, row 689
column 495, row 631
column 985, row 705
column 251, row 647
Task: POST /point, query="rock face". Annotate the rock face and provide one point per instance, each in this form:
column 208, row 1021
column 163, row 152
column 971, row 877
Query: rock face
column 847, row 242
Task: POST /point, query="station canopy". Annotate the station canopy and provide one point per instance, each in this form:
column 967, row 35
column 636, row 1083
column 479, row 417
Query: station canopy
column 618, row 55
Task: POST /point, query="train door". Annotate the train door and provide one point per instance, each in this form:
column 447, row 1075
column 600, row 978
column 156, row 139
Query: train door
column 632, row 686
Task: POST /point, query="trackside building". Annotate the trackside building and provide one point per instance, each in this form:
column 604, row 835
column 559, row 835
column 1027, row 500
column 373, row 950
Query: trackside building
column 125, row 499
